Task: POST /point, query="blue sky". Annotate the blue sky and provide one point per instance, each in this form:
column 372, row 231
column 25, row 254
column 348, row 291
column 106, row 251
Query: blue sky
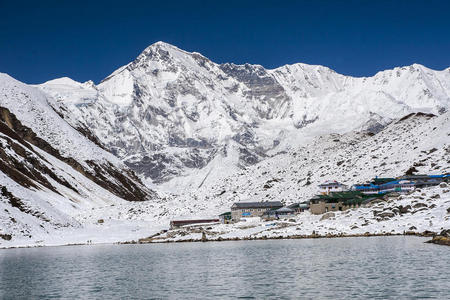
column 43, row 40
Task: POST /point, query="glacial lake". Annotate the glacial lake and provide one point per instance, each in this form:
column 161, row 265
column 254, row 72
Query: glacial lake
column 341, row 268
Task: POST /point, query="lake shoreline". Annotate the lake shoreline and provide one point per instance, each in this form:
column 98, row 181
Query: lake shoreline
column 436, row 239
column 292, row 237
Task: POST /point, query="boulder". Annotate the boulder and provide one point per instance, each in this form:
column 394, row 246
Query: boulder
column 6, row 237
column 386, row 214
column 443, row 185
column 445, row 232
column 420, row 209
column 440, row 240
column 428, row 233
column 393, row 195
column 419, row 205
column 376, row 213
column 327, row 215
column 411, row 171
column 404, row 209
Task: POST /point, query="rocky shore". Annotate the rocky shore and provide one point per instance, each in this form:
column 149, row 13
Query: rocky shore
column 441, row 239
column 421, row 213
column 155, row 239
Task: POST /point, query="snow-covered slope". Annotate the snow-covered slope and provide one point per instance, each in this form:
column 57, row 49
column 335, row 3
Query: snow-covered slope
column 205, row 135
column 171, row 112
column 49, row 171
column 418, row 143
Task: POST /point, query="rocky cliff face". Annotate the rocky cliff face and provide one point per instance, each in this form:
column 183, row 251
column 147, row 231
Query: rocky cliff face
column 170, row 111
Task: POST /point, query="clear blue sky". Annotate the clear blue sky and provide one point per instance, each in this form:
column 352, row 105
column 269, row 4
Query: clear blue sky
column 42, row 40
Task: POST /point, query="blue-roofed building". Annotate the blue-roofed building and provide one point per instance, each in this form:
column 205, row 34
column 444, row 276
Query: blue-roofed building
column 399, row 186
column 402, row 184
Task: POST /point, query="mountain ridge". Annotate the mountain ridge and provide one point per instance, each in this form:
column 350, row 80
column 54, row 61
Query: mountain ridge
column 171, row 100
column 168, row 45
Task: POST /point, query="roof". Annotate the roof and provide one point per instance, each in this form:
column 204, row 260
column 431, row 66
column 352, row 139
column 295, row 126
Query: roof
column 276, row 211
column 440, row 176
column 412, row 177
column 228, row 213
column 347, row 197
column 381, row 180
column 188, row 222
column 268, row 204
column 299, row 205
column 343, row 195
column 383, row 186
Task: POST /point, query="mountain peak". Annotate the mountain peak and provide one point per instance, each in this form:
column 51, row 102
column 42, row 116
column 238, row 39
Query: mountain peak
column 62, row 81
column 160, row 46
column 159, row 51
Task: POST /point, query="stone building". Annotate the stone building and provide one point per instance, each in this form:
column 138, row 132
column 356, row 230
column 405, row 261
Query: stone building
column 322, row 206
column 252, row 209
column 339, row 201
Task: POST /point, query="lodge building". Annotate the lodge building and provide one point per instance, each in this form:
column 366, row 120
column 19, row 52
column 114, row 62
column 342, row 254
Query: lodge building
column 331, row 187
column 252, row 209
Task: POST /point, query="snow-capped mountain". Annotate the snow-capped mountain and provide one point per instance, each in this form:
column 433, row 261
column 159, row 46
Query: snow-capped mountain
column 171, row 112
column 49, row 171
column 204, row 135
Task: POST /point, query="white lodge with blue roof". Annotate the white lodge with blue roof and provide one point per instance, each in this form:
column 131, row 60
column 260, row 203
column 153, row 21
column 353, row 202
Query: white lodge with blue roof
column 252, row 209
